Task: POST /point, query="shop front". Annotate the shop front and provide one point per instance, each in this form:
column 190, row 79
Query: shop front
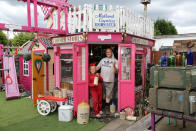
column 73, row 53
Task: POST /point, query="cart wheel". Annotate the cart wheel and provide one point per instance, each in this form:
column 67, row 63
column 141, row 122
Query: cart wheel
column 43, row 107
column 53, row 106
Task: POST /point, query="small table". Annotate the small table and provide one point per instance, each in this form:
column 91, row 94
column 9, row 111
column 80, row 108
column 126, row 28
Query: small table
column 170, row 114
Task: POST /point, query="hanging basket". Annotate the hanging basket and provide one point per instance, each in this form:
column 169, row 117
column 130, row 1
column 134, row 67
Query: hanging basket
column 46, row 57
column 27, row 56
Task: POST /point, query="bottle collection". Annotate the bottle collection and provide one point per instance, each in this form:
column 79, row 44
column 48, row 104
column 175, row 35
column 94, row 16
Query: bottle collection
column 177, row 60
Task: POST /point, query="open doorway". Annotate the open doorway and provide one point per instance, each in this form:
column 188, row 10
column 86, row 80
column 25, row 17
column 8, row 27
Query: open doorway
column 96, row 53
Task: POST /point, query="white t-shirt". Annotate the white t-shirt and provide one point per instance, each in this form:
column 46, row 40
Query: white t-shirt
column 107, row 69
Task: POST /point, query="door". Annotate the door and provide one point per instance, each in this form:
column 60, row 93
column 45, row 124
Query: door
column 38, row 75
column 141, row 59
column 140, row 78
column 80, row 74
column 126, row 87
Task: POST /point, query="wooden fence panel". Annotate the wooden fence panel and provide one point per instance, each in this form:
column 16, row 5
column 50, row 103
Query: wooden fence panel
column 156, row 55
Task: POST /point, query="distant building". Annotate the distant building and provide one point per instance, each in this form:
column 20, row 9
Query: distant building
column 165, row 48
column 168, row 40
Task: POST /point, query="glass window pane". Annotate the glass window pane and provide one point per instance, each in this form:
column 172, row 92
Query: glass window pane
column 66, row 70
column 66, row 56
column 81, row 63
column 138, row 70
column 25, row 67
column 125, row 63
column 25, row 72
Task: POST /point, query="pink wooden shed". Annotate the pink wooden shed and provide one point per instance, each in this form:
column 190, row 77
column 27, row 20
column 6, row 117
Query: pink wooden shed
column 74, row 49
column 39, row 44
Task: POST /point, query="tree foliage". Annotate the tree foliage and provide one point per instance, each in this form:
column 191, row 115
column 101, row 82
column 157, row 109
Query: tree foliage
column 3, row 38
column 22, row 38
column 164, row 27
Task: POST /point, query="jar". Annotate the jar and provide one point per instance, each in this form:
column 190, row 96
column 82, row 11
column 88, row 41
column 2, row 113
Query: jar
column 96, row 80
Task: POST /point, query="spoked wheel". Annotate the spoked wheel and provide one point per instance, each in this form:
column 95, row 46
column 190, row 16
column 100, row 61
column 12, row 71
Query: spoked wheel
column 53, row 106
column 43, row 107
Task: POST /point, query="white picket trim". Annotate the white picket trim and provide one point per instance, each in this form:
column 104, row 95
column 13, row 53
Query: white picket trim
column 81, row 19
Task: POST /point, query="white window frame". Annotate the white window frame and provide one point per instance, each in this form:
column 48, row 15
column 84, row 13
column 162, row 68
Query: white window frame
column 25, row 68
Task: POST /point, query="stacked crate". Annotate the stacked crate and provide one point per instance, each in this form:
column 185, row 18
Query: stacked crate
column 174, row 89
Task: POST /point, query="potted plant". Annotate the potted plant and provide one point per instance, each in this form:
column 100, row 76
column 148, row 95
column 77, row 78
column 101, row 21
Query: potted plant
column 46, row 57
column 27, row 56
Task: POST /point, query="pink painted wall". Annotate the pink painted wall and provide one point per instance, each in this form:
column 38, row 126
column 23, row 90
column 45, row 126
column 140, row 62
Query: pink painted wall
column 1, row 51
column 25, row 80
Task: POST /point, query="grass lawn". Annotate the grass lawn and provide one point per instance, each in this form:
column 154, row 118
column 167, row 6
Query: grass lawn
column 20, row 115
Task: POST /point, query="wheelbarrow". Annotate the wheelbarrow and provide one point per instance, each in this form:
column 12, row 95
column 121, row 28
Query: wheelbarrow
column 47, row 103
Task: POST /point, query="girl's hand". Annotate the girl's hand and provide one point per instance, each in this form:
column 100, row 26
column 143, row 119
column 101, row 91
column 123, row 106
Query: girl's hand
column 97, row 74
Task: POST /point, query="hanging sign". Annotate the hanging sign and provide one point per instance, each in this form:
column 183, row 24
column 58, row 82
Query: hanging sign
column 68, row 39
column 105, row 20
column 139, row 41
column 105, row 37
column 38, row 65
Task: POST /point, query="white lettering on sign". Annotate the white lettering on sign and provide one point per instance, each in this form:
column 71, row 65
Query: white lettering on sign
column 66, row 46
column 104, row 20
column 105, row 37
column 139, row 41
column 193, row 72
column 192, row 98
column 76, row 38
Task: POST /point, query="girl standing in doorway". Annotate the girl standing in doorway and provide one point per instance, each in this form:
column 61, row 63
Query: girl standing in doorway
column 95, row 84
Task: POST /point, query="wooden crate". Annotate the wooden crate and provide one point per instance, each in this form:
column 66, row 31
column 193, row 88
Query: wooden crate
column 173, row 77
column 66, row 85
column 172, row 100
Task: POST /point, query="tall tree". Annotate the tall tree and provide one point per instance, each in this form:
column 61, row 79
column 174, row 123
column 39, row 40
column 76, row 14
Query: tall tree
column 3, row 38
column 164, row 27
column 22, row 38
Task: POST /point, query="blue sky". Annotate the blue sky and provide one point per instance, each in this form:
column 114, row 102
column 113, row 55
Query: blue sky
column 180, row 12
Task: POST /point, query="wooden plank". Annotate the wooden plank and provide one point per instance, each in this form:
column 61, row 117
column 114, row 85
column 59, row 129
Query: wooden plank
column 143, row 124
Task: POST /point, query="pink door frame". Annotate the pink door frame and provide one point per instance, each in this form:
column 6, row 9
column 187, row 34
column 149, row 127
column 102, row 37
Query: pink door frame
column 80, row 88
column 126, row 88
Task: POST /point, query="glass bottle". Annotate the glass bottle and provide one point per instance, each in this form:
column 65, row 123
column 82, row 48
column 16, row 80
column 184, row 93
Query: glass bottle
column 159, row 62
column 171, row 59
column 178, row 59
column 164, row 60
column 183, row 59
column 96, row 80
column 190, row 57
